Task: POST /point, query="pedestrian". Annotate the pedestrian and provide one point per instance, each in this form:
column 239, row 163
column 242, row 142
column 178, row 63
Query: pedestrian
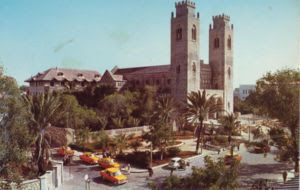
column 150, row 170
column 265, row 152
column 128, row 168
column 284, row 175
column 219, row 151
column 238, row 147
column 171, row 172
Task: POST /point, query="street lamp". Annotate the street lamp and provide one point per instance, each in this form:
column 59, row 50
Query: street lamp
column 87, row 182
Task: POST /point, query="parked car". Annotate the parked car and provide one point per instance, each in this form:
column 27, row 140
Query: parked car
column 89, row 158
column 62, row 151
column 108, row 163
column 113, row 175
column 178, row 163
column 228, row 159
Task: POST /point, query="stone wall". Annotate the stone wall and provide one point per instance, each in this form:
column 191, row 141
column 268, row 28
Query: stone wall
column 27, row 185
column 51, row 180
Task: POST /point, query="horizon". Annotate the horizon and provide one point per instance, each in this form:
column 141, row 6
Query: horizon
column 94, row 35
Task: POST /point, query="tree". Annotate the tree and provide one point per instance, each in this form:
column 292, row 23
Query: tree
column 41, row 109
column 121, row 141
column 230, row 125
column 214, row 175
column 14, row 134
column 277, row 95
column 198, row 108
column 136, row 144
column 161, row 131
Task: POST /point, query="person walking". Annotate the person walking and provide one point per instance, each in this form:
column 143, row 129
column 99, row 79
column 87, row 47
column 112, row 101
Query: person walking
column 128, row 168
column 284, row 176
column 150, row 170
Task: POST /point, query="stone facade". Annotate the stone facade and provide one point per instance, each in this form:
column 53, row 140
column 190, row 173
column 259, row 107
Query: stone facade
column 187, row 72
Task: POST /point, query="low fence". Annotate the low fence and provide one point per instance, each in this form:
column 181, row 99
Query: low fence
column 51, row 180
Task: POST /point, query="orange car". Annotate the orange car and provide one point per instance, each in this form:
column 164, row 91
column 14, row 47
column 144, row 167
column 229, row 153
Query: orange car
column 108, row 163
column 65, row 151
column 89, row 158
column 228, row 158
column 113, row 175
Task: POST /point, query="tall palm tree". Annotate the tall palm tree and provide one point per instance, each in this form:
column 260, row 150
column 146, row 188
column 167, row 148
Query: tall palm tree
column 41, row 110
column 198, row 108
column 230, row 125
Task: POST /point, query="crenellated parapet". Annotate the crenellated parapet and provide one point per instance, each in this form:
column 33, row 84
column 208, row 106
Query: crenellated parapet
column 220, row 21
column 185, row 3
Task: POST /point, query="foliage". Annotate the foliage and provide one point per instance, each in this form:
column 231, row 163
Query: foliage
column 171, row 182
column 102, row 139
column 90, row 95
column 199, row 107
column 277, row 95
column 161, row 131
column 135, row 144
column 14, row 134
column 173, row 151
column 72, row 115
column 230, row 124
column 41, row 111
column 215, row 175
column 121, row 141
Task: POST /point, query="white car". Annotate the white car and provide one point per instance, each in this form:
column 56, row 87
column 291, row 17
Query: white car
column 177, row 163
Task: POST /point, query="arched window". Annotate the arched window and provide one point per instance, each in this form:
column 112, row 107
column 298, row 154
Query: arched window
column 194, row 67
column 229, row 43
column 194, row 32
column 229, row 72
column 179, row 34
column 178, row 69
column 217, row 43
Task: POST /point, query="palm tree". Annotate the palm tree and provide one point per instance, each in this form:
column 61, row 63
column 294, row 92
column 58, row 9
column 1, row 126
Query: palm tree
column 164, row 110
column 230, row 125
column 199, row 107
column 41, row 110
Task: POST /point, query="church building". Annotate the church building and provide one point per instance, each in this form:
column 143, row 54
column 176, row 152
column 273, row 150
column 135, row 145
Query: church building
column 186, row 71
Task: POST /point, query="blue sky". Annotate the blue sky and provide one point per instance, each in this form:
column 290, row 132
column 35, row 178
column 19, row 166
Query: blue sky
column 96, row 34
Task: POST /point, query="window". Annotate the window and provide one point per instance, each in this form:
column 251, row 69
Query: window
column 179, row 34
column 229, row 72
column 51, row 83
column 217, row 43
column 169, row 81
column 178, row 69
column 147, row 81
column 194, row 67
column 229, row 43
column 157, row 82
column 194, row 32
column 60, row 74
column 137, row 82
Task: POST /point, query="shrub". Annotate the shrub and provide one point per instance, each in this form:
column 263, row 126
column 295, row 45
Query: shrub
column 171, row 182
column 173, row 151
column 218, row 140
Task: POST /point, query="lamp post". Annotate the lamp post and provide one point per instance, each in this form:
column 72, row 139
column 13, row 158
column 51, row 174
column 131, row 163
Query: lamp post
column 87, row 182
column 151, row 155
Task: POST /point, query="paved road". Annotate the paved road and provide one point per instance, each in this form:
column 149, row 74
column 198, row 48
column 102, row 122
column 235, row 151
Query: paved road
column 136, row 181
column 254, row 166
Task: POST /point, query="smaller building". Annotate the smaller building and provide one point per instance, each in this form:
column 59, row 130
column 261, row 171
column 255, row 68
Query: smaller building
column 244, row 91
column 56, row 79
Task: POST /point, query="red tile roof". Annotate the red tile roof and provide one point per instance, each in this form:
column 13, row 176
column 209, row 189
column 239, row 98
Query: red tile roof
column 61, row 74
column 144, row 70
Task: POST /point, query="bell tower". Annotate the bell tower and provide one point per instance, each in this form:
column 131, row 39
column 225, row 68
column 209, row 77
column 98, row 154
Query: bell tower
column 221, row 57
column 185, row 43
